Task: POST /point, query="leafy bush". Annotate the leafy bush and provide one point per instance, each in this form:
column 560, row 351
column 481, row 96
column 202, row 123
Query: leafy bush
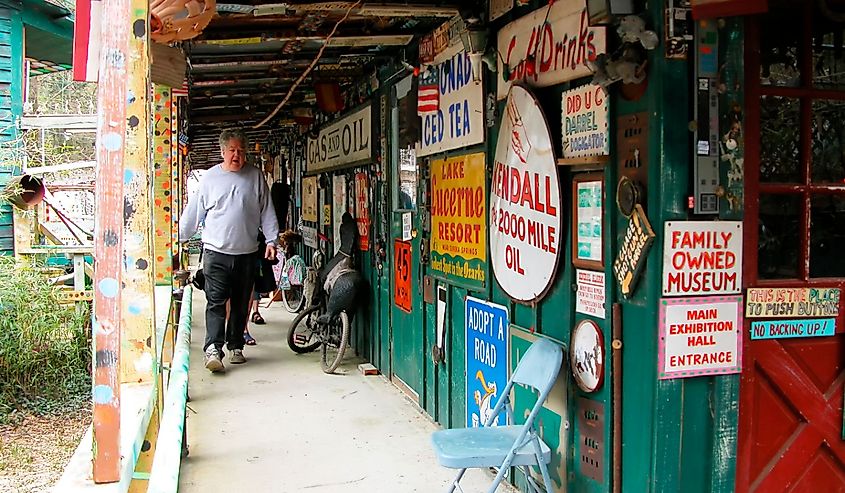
column 45, row 349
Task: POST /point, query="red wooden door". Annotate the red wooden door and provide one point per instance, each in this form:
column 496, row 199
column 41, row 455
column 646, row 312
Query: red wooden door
column 791, row 394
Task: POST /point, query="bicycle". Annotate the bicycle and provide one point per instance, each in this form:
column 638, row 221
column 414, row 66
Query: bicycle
column 291, row 284
column 314, row 328
column 333, row 292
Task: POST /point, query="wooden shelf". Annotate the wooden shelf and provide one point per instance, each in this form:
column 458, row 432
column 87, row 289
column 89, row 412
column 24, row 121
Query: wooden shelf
column 585, row 160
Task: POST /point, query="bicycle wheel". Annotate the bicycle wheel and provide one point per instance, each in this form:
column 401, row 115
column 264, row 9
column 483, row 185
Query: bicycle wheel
column 303, row 336
column 335, row 340
column 293, row 299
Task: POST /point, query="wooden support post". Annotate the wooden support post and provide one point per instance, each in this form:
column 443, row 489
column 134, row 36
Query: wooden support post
column 78, row 272
column 108, row 240
column 138, row 339
column 162, row 181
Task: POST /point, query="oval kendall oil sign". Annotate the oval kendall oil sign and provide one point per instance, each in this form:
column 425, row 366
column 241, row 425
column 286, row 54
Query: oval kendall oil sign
column 525, row 203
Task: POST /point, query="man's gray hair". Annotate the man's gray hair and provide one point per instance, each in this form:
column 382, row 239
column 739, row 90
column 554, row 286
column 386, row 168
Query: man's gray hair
column 233, row 134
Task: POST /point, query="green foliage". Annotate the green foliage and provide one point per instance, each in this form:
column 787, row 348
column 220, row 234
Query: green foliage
column 45, row 349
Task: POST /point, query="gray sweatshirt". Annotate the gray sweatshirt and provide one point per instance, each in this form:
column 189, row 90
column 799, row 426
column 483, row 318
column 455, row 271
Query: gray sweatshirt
column 233, row 205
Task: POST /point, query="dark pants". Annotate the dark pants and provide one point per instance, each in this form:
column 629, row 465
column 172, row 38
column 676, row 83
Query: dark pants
column 227, row 278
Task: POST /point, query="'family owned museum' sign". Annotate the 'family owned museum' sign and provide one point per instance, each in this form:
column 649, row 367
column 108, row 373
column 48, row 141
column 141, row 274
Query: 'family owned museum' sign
column 458, row 222
column 700, row 336
column 459, row 119
column 343, row 143
column 702, row 258
column 551, row 45
column 585, row 130
column 525, row 204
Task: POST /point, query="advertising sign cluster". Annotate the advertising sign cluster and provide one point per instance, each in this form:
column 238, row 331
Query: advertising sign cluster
column 525, row 204
column 459, row 121
column 551, row 45
column 486, row 359
column 702, row 258
column 458, row 222
column 344, row 142
column 700, row 336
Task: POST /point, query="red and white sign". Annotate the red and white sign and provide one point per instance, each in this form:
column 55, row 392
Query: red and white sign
column 86, row 40
column 362, row 209
column 702, row 258
column 551, row 45
column 700, row 336
column 590, row 298
column 525, row 205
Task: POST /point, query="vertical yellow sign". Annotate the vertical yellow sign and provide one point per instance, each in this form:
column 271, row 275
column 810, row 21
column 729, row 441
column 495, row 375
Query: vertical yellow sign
column 459, row 219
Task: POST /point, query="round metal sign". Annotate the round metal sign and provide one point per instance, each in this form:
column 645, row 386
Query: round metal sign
column 525, row 202
column 586, row 355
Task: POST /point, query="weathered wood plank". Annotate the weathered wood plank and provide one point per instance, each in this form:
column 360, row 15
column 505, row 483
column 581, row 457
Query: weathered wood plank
column 108, row 240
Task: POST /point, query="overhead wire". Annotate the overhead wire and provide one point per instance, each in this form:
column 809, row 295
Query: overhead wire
column 310, row 67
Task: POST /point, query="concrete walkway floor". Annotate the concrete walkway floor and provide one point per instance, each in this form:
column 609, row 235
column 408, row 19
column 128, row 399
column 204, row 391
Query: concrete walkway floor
column 279, row 424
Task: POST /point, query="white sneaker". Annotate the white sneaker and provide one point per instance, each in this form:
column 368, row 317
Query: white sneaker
column 213, row 361
column 237, row 357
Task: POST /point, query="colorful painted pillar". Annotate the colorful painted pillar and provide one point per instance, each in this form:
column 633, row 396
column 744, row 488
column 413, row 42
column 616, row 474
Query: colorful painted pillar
column 138, row 341
column 175, row 182
column 109, row 236
column 162, row 182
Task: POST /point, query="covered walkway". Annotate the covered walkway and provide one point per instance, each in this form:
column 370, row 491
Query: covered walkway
column 279, row 424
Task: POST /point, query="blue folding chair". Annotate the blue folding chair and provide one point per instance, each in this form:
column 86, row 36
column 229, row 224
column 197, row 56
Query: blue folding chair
column 506, row 446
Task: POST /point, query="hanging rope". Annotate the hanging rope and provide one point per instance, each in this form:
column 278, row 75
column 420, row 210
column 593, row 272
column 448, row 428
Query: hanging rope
column 310, row 67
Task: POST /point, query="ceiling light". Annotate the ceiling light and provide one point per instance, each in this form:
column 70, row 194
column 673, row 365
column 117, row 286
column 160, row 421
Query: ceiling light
column 377, row 10
column 271, row 9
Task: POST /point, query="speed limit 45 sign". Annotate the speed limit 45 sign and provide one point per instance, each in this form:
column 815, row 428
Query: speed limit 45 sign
column 402, row 280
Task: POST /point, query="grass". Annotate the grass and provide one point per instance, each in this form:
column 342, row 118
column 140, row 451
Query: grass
column 45, row 350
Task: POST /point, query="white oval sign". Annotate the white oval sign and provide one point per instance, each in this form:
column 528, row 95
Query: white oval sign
column 525, row 204
column 587, row 355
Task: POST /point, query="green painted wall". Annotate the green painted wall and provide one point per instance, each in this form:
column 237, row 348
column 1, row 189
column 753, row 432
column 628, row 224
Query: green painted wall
column 11, row 107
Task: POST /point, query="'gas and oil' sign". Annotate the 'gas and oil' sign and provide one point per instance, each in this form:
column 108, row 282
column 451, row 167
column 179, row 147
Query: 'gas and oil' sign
column 345, row 142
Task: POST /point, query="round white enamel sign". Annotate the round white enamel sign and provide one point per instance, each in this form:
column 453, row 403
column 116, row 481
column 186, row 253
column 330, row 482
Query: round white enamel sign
column 587, row 355
column 525, row 204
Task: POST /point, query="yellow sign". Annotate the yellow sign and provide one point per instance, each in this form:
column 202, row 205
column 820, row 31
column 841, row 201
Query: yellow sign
column 309, row 199
column 459, row 218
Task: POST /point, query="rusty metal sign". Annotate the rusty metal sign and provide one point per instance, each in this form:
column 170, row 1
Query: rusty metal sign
column 591, row 447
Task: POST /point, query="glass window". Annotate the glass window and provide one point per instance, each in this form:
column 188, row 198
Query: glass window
column 779, row 136
column 827, row 235
column 779, row 45
column 828, row 59
column 779, row 230
column 406, row 132
column 828, row 141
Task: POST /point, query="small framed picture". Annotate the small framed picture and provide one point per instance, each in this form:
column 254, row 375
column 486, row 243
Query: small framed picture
column 588, row 221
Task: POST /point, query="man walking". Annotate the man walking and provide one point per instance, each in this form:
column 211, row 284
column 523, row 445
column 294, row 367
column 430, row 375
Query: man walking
column 234, row 202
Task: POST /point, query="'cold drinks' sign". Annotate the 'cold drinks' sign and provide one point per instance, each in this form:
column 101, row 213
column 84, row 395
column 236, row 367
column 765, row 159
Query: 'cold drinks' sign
column 702, row 258
column 550, row 45
column 525, row 206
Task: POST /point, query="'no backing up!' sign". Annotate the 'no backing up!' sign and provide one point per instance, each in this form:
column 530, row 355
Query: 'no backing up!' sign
column 525, row 205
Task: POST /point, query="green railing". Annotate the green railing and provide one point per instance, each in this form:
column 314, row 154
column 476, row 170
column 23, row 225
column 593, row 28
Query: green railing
column 164, row 476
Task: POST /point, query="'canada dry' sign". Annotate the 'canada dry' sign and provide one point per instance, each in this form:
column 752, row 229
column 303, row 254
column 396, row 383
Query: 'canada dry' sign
column 525, row 206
